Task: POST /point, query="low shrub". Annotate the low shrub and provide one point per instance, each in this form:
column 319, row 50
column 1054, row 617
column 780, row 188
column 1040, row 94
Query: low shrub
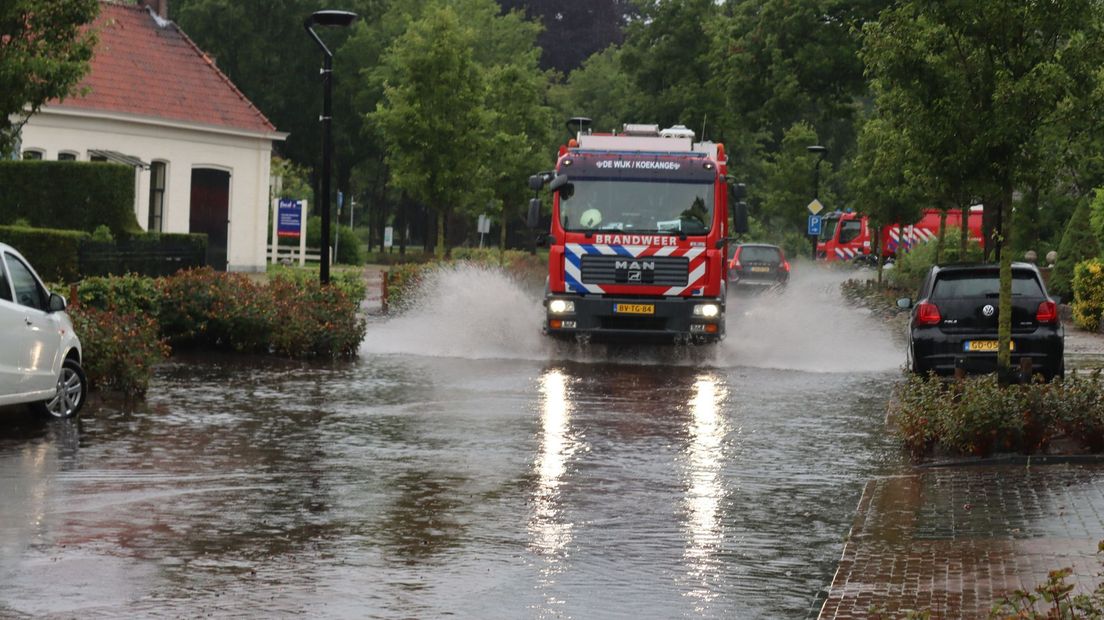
column 129, row 294
column 402, row 281
column 1088, row 294
column 1079, row 409
column 350, row 281
column 54, row 253
column 978, row 416
column 1052, row 600
column 311, row 320
column 119, row 348
column 393, row 257
column 206, row 308
column 293, row 315
column 350, row 249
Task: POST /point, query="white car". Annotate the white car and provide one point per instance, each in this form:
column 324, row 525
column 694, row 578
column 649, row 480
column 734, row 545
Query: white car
column 40, row 354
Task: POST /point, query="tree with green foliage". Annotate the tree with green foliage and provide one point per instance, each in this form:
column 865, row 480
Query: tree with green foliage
column 518, row 123
column 601, row 90
column 44, row 53
column 515, row 135
column 787, row 188
column 778, row 62
column 1010, row 68
column 262, row 47
column 1079, row 243
column 433, row 116
column 667, row 53
column 883, row 178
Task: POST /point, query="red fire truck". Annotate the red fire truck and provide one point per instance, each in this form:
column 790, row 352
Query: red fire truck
column 639, row 236
column 847, row 236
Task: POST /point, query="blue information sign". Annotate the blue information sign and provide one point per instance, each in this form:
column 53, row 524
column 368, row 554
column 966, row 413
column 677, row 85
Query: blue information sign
column 814, row 225
column 289, row 218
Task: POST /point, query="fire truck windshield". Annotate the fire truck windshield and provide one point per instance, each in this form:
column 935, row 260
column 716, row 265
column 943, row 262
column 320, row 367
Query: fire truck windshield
column 662, row 205
column 828, row 228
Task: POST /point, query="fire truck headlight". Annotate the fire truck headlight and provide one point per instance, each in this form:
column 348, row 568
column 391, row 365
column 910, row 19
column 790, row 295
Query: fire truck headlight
column 561, row 306
column 708, row 311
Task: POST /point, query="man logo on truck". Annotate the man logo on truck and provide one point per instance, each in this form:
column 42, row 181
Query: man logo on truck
column 634, row 270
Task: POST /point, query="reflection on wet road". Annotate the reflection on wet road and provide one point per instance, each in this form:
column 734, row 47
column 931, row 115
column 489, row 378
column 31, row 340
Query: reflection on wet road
column 406, row 485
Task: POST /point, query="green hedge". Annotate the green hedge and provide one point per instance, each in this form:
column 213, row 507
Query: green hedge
column 979, row 416
column 350, row 249
column 52, row 253
column 78, row 195
column 148, row 254
column 68, row 255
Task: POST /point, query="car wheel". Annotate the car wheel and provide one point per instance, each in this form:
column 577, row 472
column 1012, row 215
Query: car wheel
column 72, row 388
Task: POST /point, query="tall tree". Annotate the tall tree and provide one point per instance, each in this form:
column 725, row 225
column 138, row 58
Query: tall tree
column 783, row 61
column 667, row 53
column 262, row 47
column 432, row 115
column 600, row 90
column 1015, row 67
column 44, row 53
column 788, row 178
column 884, row 178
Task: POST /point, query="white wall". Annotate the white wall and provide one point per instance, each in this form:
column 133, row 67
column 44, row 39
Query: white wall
column 246, row 156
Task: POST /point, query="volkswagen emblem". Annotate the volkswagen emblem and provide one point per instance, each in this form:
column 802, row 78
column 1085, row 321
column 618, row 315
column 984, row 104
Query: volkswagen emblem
column 988, row 310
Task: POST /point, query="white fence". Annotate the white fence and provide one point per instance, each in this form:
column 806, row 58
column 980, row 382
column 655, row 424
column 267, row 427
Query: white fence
column 291, row 253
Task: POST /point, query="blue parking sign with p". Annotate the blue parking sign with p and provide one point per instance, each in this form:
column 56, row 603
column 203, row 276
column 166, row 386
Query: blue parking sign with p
column 814, row 225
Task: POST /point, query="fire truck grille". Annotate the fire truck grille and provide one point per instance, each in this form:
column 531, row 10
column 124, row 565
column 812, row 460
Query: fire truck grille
column 650, row 271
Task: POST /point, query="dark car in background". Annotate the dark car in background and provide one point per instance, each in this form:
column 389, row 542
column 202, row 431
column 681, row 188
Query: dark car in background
column 757, row 266
column 954, row 321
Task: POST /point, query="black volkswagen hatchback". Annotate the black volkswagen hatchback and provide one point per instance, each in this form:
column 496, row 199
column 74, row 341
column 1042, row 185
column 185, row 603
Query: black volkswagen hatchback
column 955, row 321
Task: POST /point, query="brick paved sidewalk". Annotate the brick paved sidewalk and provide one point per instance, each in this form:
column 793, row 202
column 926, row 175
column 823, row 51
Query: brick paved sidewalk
column 953, row 540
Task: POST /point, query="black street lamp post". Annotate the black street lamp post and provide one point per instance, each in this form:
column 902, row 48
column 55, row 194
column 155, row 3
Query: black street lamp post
column 821, row 151
column 340, row 19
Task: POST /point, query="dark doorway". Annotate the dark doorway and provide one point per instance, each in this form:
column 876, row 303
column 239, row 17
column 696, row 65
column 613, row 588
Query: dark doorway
column 210, row 210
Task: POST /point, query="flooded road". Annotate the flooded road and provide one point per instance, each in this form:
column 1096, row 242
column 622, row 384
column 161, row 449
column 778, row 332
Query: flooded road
column 464, row 467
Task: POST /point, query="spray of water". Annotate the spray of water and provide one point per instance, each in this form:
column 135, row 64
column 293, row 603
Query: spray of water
column 474, row 312
column 809, row 327
column 467, row 311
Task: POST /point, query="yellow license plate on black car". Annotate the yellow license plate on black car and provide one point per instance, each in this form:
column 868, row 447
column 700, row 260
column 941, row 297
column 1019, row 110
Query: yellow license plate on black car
column 988, row 346
column 761, row 269
column 634, row 308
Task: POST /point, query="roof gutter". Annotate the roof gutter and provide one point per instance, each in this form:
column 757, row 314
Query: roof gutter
column 63, row 110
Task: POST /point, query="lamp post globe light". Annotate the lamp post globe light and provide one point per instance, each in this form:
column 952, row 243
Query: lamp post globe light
column 340, row 19
column 820, row 151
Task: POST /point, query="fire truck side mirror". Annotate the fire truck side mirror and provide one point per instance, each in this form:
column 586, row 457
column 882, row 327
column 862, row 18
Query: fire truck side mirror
column 740, row 218
column 536, row 182
column 737, row 192
column 533, row 217
column 557, row 182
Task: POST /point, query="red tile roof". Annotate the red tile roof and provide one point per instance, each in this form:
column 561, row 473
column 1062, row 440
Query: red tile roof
column 143, row 68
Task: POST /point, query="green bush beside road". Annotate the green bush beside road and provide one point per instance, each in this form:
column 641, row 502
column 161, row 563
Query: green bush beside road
column 1088, row 294
column 978, row 416
column 127, row 323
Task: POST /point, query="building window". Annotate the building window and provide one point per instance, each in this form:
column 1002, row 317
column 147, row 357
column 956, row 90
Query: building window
column 97, row 158
column 156, row 196
column 67, row 156
column 29, row 154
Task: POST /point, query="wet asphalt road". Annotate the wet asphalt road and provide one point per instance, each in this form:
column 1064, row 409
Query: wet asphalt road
column 475, row 474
